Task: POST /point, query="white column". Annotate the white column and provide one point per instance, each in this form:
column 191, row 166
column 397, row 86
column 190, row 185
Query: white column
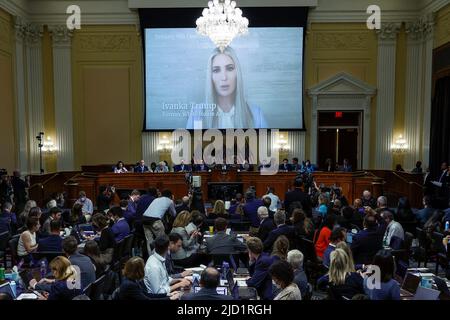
column 149, row 146
column 428, row 74
column 387, row 39
column 35, row 93
column 296, row 140
column 21, row 121
column 62, row 74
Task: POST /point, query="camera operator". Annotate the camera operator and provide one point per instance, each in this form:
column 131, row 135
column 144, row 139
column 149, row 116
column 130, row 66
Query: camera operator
column 19, row 187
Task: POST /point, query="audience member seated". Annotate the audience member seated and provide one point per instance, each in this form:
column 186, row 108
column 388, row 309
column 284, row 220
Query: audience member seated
column 297, row 195
column 175, row 245
column 280, row 248
column 341, row 279
column 388, row 289
column 234, row 204
column 55, row 215
column 181, row 167
column 394, row 234
column 189, row 236
column 120, row 168
column 64, row 286
column 368, row 200
column 105, row 197
column 8, row 219
column 266, row 203
column 141, row 167
column 324, row 235
column 283, row 276
column 53, row 242
column 337, row 235
column 157, row 279
column 303, row 226
column 218, row 211
column 424, row 214
column 23, row 216
column 76, row 215
column 260, row 263
column 87, row 269
column 349, row 218
column 221, row 242
column 435, row 223
column 367, row 242
column 133, row 287
column 358, row 206
column 87, row 208
column 209, row 281
column 381, row 204
column 27, row 241
column 120, row 228
column 127, row 214
column 184, row 205
column 285, row 166
column 92, row 250
column 404, row 212
column 107, row 240
column 322, row 209
column 282, row 229
column 251, row 211
column 275, row 202
column 295, row 258
column 267, row 224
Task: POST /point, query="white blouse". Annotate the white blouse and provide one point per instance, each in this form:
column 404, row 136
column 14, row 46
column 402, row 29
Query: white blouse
column 21, row 251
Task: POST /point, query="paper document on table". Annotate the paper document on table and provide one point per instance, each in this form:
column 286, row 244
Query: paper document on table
column 27, row 296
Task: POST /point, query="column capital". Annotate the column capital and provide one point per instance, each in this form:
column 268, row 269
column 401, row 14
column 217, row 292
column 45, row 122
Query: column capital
column 420, row 28
column 61, row 35
column 33, row 34
column 389, row 31
column 19, row 27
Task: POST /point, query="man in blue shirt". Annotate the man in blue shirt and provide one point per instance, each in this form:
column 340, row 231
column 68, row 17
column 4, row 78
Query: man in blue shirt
column 120, row 228
column 53, row 242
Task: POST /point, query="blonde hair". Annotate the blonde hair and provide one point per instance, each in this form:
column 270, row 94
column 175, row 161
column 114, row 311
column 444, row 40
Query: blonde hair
column 339, row 267
column 182, row 219
column 62, row 269
column 343, row 245
column 243, row 116
column 219, row 208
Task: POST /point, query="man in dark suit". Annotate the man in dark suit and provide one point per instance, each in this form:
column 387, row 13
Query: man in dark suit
column 295, row 165
column 8, row 219
column 285, row 166
column 367, row 242
column 183, row 206
column 221, row 242
column 202, row 167
column 346, row 166
column 53, row 242
column 175, row 243
column 297, row 195
column 182, row 167
column 145, row 201
column 87, row 269
column 209, row 281
column 259, row 269
column 267, row 224
column 282, row 229
column 141, row 167
column 251, row 211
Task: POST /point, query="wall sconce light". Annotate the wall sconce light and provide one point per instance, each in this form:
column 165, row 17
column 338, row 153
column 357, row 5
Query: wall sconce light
column 48, row 146
column 164, row 145
column 399, row 146
column 282, row 144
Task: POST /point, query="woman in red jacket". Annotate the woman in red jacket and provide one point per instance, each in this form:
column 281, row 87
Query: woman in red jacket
column 324, row 236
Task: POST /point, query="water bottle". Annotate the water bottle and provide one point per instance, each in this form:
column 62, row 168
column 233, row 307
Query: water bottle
column 447, row 225
column 225, row 267
column 195, row 280
column 13, row 288
column 43, row 269
column 2, row 273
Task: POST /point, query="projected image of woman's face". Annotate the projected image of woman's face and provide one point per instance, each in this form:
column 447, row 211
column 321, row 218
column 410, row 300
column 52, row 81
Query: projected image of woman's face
column 224, row 75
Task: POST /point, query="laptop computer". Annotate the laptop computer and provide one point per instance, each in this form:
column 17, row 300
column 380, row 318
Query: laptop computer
column 410, row 284
column 219, row 290
column 6, row 288
column 423, row 293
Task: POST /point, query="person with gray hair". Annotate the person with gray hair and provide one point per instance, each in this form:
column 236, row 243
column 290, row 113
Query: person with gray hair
column 381, row 204
column 281, row 229
column 368, row 200
column 267, row 224
column 209, row 281
column 394, row 234
column 295, row 258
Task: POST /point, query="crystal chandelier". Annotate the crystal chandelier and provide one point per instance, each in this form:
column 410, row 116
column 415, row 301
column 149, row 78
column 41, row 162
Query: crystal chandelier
column 400, row 146
column 222, row 22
